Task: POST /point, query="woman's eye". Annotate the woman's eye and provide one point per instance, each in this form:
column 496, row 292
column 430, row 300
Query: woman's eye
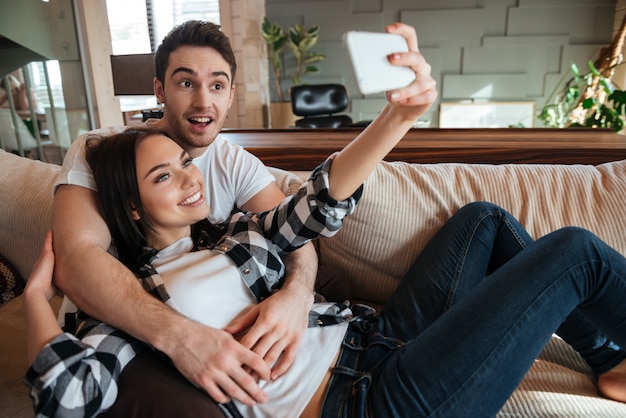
column 162, row 178
column 187, row 162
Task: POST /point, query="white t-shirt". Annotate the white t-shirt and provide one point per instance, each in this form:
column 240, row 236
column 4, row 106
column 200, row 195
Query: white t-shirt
column 232, row 176
column 207, row 287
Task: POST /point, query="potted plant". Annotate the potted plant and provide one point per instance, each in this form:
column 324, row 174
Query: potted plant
column 300, row 41
column 585, row 100
column 591, row 99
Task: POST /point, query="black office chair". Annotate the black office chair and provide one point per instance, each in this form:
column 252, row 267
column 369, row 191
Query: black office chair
column 318, row 103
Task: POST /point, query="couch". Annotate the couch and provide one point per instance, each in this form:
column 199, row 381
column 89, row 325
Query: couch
column 402, row 207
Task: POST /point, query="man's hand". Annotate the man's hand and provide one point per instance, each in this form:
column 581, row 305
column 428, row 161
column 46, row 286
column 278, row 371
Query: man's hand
column 214, row 360
column 274, row 328
column 210, row 358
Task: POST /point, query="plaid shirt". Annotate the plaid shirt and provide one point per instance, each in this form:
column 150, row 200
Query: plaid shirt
column 76, row 376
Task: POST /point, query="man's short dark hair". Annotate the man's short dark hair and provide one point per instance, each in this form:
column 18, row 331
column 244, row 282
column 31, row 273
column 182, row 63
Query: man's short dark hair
column 194, row 33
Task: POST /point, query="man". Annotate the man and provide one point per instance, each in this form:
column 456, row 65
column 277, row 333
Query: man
column 195, row 70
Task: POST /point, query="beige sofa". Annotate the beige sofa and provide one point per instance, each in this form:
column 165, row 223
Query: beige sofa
column 403, row 205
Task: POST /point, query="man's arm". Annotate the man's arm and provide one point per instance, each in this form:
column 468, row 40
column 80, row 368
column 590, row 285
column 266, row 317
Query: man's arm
column 276, row 325
column 105, row 289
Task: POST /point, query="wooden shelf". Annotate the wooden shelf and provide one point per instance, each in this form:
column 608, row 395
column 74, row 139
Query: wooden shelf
column 304, row 149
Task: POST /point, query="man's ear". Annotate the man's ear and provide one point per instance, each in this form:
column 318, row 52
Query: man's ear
column 159, row 92
column 232, row 95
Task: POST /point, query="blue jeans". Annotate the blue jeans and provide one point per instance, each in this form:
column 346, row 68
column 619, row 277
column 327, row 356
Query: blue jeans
column 472, row 314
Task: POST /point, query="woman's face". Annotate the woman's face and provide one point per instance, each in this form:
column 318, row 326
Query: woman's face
column 171, row 189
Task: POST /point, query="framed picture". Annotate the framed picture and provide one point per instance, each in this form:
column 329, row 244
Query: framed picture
column 487, row 114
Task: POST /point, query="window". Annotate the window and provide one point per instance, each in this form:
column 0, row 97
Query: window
column 137, row 27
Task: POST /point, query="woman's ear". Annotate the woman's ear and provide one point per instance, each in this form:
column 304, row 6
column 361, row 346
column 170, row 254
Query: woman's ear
column 134, row 212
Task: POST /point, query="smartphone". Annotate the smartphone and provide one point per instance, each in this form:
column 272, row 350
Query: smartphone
column 368, row 52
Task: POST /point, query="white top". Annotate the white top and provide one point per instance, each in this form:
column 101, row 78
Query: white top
column 206, row 286
column 232, row 176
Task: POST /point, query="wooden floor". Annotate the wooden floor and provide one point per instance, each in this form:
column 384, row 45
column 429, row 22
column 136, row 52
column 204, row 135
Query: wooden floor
column 304, row 149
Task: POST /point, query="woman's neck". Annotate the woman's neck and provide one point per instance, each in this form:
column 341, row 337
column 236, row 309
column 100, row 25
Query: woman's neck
column 163, row 238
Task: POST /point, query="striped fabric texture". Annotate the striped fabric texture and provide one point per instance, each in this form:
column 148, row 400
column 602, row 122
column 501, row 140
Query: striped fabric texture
column 403, row 205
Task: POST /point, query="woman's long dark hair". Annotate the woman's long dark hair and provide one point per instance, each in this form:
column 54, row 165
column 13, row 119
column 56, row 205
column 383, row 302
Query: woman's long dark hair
column 113, row 162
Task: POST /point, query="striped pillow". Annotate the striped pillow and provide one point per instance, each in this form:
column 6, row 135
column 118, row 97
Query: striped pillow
column 11, row 283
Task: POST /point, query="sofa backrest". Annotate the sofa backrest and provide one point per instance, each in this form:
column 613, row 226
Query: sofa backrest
column 405, row 204
column 402, row 207
column 25, row 208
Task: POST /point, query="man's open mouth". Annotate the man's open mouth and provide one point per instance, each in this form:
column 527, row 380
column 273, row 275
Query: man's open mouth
column 200, row 121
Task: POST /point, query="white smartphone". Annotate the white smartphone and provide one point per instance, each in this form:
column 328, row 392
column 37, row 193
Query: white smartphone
column 368, row 52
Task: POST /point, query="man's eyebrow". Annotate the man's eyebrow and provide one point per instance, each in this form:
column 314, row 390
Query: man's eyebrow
column 192, row 72
column 220, row 73
column 183, row 70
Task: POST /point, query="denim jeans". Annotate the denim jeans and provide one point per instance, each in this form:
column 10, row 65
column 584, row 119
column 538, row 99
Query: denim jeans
column 472, row 314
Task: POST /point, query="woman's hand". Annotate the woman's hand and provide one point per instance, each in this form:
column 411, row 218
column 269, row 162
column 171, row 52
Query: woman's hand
column 40, row 279
column 41, row 321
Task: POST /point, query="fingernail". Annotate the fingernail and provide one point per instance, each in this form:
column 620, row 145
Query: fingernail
column 394, row 95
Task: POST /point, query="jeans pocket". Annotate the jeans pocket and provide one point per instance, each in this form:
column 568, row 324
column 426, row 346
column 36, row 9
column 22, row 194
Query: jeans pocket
column 346, row 394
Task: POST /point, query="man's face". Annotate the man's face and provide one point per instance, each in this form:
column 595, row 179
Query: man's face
column 197, row 94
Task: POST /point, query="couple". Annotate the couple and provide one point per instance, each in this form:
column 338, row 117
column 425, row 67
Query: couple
column 414, row 347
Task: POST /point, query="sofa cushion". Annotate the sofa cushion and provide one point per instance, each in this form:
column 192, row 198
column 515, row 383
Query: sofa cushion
column 11, row 283
column 418, row 198
column 26, row 208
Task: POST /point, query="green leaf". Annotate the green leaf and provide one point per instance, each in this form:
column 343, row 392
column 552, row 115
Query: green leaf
column 307, row 43
column 575, row 70
column 608, row 86
column 572, row 94
column 314, row 31
column 588, row 103
column 311, row 69
column 593, row 69
column 314, row 58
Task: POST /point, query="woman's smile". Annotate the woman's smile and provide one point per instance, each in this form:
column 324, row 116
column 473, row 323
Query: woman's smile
column 193, row 200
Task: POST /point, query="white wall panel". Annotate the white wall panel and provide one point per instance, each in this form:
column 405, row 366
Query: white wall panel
column 484, row 87
column 442, row 28
column 479, row 49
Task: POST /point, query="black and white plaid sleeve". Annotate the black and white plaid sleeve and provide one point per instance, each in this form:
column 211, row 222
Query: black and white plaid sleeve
column 308, row 214
column 77, row 378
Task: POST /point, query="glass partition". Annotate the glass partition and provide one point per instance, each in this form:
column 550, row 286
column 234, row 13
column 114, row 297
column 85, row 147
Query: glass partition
column 42, row 115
